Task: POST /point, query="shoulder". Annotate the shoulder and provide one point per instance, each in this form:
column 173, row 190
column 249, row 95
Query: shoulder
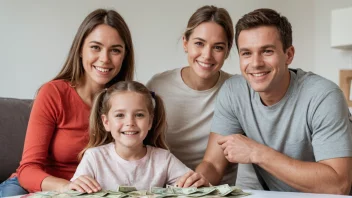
column 95, row 151
column 59, row 86
column 235, row 83
column 163, row 76
column 224, row 75
column 316, row 85
column 159, row 152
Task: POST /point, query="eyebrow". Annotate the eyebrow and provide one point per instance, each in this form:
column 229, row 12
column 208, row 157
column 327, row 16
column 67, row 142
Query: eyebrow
column 218, row 43
column 262, row 47
column 136, row 110
column 96, row 42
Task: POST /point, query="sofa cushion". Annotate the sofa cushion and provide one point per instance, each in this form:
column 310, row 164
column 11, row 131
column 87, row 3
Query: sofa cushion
column 14, row 115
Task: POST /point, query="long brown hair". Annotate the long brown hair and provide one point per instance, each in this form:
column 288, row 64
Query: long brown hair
column 73, row 70
column 266, row 17
column 211, row 14
column 99, row 136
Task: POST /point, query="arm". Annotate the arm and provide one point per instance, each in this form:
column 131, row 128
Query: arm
column 175, row 169
column 214, row 162
column 84, row 178
column 41, row 127
column 210, row 170
column 327, row 176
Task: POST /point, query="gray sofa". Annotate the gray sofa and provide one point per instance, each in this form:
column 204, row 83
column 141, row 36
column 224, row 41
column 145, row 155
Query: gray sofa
column 14, row 115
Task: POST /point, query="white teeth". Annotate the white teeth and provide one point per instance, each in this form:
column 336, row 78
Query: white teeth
column 101, row 69
column 260, row 74
column 129, row 133
column 204, row 64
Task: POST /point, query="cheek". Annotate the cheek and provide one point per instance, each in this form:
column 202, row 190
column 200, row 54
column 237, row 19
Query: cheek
column 243, row 65
column 220, row 57
column 117, row 60
column 193, row 54
column 88, row 57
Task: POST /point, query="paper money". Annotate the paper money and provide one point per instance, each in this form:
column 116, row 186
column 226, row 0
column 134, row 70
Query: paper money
column 155, row 192
column 126, row 189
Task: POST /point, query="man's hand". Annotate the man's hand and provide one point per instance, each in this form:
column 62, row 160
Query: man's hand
column 238, row 148
column 82, row 184
column 192, row 179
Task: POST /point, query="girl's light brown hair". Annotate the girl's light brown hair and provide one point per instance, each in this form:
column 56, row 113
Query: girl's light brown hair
column 99, row 136
column 73, row 68
column 211, row 14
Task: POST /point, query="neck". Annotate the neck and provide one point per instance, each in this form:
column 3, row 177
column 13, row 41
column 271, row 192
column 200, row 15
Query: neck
column 131, row 154
column 193, row 81
column 277, row 93
column 87, row 91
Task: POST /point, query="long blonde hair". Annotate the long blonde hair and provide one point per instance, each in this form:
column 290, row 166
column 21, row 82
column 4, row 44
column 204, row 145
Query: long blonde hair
column 99, row 136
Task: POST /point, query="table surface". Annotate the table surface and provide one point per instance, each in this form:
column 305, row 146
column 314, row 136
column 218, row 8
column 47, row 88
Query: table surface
column 275, row 194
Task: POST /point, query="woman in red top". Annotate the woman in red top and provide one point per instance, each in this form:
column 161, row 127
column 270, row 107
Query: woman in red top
column 101, row 54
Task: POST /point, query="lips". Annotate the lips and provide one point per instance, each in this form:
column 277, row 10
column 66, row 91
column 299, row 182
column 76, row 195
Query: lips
column 130, row 132
column 102, row 69
column 259, row 74
column 207, row 65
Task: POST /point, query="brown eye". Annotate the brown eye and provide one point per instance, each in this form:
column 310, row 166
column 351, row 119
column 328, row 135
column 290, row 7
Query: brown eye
column 139, row 115
column 95, row 47
column 119, row 115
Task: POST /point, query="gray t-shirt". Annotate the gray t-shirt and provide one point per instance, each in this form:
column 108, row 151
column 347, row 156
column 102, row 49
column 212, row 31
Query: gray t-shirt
column 310, row 123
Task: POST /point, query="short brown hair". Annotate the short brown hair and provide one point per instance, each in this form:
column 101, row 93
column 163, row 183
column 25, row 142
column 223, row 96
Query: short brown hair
column 211, row 13
column 266, row 17
column 73, row 70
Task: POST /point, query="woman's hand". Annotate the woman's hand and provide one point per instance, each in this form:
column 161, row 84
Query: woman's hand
column 82, row 184
column 192, row 179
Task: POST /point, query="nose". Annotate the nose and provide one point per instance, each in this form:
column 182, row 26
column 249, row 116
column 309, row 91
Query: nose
column 130, row 121
column 104, row 56
column 257, row 60
column 207, row 52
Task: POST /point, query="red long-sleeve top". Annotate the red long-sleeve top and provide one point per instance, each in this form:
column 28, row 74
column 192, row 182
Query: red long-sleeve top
column 57, row 131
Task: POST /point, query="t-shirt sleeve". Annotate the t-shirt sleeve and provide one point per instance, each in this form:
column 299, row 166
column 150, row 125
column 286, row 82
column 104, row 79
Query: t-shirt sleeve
column 150, row 84
column 41, row 127
column 331, row 126
column 175, row 170
column 225, row 121
column 86, row 166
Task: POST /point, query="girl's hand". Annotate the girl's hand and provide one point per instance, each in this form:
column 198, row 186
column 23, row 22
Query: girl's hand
column 192, row 179
column 82, row 184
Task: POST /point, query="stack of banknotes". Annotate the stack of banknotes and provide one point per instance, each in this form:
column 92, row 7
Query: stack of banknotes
column 155, row 192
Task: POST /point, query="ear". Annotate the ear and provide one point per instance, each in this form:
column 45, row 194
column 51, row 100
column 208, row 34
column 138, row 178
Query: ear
column 290, row 53
column 185, row 42
column 105, row 120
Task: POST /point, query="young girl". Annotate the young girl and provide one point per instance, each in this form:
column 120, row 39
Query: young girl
column 127, row 142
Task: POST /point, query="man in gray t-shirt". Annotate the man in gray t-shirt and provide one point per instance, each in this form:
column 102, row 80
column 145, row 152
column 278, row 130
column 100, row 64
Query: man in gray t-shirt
column 292, row 125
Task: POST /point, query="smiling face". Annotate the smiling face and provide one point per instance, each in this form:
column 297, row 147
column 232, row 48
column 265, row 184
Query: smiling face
column 102, row 54
column 207, row 50
column 263, row 61
column 128, row 120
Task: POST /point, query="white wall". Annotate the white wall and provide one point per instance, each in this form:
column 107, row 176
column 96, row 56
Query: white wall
column 36, row 35
column 328, row 61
